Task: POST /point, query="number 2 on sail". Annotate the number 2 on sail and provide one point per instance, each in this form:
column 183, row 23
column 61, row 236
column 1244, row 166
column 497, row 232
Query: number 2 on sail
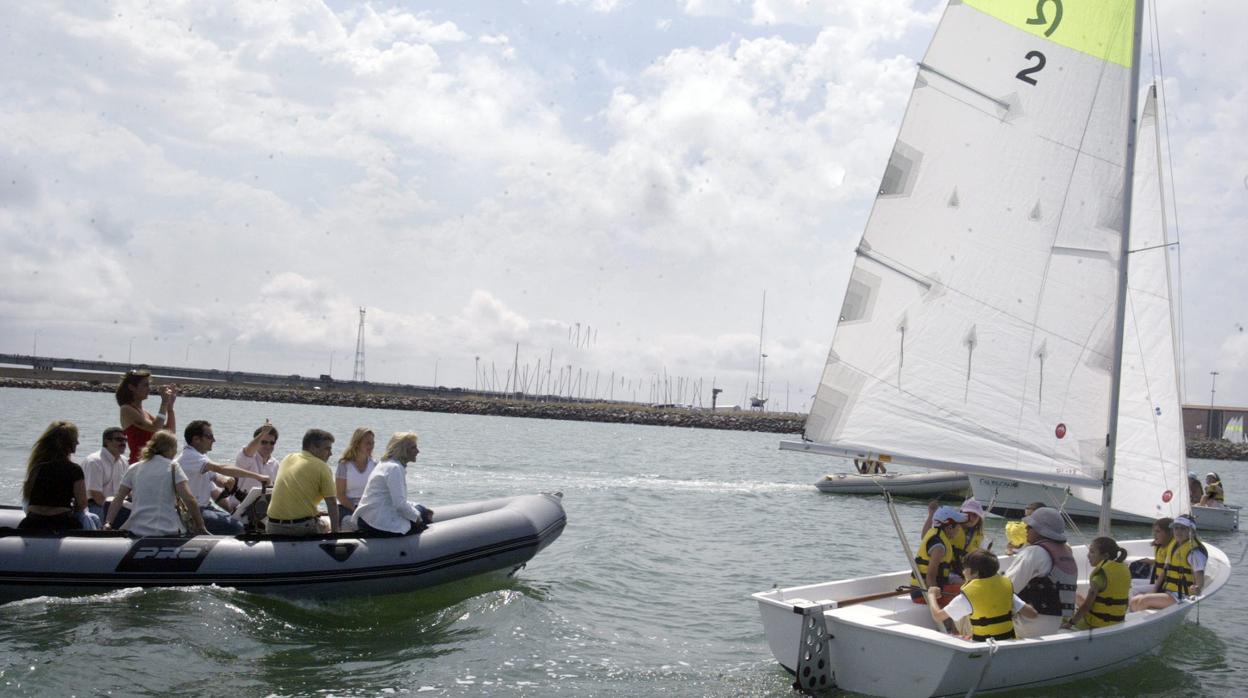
column 1025, row 73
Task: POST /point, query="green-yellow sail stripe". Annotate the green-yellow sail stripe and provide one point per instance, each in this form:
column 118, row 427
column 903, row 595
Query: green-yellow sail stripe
column 1099, row 28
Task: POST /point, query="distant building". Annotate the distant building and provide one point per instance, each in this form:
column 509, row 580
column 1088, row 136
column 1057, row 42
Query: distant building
column 1201, row 421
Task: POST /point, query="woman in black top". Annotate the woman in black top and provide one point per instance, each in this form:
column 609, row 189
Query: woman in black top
column 54, row 489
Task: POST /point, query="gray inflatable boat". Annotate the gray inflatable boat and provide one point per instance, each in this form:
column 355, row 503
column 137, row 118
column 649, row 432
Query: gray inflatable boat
column 465, row 540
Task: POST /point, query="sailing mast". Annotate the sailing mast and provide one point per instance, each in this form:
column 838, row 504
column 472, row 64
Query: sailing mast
column 1120, row 318
column 759, row 401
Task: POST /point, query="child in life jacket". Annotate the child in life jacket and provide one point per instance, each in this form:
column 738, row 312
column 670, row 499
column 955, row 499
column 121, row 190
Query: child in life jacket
column 1109, row 584
column 987, row 598
column 1184, row 572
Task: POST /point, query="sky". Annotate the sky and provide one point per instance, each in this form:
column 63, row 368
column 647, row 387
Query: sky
column 606, row 185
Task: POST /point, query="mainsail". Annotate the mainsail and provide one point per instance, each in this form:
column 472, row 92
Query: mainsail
column 979, row 324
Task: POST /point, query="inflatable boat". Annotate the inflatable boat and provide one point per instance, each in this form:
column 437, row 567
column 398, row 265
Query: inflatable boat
column 938, row 483
column 465, row 540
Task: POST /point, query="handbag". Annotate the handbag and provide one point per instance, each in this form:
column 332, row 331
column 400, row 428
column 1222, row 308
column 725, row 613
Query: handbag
column 184, row 514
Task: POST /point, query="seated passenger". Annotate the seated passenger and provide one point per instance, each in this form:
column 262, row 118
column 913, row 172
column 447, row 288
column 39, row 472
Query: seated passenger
column 987, row 597
column 1184, row 571
column 1145, row 573
column 936, row 553
column 384, row 509
column 152, row 483
column 1195, row 491
column 1109, row 584
column 1214, row 496
column 257, row 456
column 194, row 462
column 354, row 468
column 303, row 481
column 870, row 466
column 1044, row 573
column 54, row 490
column 1016, row 531
column 103, row 470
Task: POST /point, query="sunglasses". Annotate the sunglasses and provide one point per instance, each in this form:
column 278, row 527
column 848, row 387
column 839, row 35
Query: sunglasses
column 268, row 443
column 116, row 438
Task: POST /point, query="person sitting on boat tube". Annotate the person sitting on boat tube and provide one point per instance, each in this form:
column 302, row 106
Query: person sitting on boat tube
column 152, row 483
column 936, row 554
column 1044, row 573
column 303, row 480
column 1214, row 496
column 1109, row 585
column 103, row 470
column 384, row 509
column 868, row 466
column 987, row 597
column 1184, row 572
column 194, row 462
column 257, row 456
column 137, row 423
column 54, row 492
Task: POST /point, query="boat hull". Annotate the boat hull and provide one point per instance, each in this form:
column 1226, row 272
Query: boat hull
column 868, row 637
column 1006, row 497
column 940, row 483
column 466, row 540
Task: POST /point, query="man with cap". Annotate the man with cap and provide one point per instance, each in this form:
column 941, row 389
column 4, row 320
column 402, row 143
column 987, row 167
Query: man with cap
column 1184, row 573
column 935, row 557
column 1044, row 573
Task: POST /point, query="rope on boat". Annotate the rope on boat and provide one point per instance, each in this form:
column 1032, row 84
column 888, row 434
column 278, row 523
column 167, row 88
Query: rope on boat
column 992, row 650
column 905, row 545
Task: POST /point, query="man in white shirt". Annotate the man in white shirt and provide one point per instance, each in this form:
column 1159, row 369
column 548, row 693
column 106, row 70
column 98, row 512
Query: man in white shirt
column 103, row 471
column 257, row 456
column 198, row 469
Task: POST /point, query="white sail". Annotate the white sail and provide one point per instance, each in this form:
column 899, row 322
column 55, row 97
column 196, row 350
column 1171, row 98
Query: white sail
column 978, row 326
column 1150, row 474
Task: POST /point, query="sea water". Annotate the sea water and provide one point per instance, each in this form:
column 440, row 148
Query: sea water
column 646, row 592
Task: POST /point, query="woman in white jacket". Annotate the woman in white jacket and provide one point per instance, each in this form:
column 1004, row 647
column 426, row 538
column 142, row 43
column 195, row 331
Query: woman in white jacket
column 383, row 509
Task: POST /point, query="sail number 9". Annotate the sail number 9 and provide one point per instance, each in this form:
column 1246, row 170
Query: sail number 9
column 1025, row 73
column 1041, row 20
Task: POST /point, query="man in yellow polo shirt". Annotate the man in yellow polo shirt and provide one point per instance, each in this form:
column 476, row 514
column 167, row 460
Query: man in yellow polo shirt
column 303, row 481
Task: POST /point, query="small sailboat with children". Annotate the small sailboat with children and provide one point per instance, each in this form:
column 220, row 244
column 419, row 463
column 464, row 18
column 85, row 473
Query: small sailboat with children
column 993, row 326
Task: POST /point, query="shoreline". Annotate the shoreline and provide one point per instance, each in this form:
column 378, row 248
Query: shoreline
column 619, row 413
column 615, row 413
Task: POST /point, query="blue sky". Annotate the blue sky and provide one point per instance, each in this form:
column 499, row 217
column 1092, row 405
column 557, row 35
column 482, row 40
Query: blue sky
column 230, row 181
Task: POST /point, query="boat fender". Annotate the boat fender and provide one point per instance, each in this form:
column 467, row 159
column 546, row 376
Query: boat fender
column 339, row 551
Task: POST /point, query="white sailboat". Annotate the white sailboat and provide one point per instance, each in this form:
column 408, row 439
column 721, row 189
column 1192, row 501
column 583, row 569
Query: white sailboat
column 1234, row 431
column 1151, row 445
column 983, row 331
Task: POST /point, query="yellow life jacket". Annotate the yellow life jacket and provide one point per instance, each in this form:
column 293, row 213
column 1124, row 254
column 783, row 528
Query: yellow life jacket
column 1215, row 492
column 1161, row 554
column 1110, row 606
column 992, row 605
column 964, row 547
column 934, row 536
column 1179, row 575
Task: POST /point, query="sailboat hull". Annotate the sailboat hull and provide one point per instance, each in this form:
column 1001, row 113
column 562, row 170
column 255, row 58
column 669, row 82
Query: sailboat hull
column 867, row 638
column 1006, row 497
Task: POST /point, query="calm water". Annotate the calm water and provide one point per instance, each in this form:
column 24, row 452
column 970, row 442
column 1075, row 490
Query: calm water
column 669, row 531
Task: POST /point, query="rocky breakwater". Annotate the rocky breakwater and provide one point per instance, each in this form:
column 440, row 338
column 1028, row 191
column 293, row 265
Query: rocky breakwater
column 1217, row 450
column 450, row 402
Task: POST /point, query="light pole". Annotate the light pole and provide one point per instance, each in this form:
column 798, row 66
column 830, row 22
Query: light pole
column 229, row 357
column 130, row 352
column 1213, row 384
column 34, row 345
column 436, row 361
column 331, row 364
column 476, row 372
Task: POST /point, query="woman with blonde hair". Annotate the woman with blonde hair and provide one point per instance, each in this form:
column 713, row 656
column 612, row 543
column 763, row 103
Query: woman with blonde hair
column 384, row 509
column 152, row 484
column 137, row 423
column 354, row 468
column 55, row 490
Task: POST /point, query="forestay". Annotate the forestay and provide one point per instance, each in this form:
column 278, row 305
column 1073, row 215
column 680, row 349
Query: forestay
column 978, row 326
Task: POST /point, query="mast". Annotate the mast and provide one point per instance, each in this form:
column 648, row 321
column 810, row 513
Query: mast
column 1120, row 318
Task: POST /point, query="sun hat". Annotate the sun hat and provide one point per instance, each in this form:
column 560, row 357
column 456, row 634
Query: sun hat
column 944, row 514
column 1183, row 521
column 972, row 506
column 1048, row 523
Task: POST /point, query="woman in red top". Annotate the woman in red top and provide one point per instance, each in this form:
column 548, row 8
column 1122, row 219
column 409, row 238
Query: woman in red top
column 137, row 423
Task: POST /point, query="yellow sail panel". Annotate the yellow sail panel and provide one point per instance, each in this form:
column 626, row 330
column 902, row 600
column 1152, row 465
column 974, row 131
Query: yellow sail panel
column 1099, row 28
